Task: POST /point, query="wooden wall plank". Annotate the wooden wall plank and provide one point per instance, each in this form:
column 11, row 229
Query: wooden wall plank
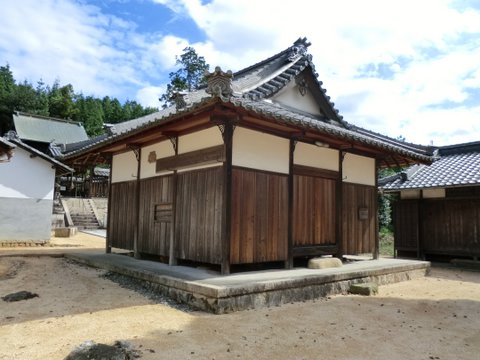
column 198, row 227
column 405, row 222
column 259, row 216
column 314, row 211
column 122, row 214
column 452, row 226
column 358, row 235
column 154, row 235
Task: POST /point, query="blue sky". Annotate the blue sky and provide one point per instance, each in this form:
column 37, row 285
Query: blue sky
column 409, row 68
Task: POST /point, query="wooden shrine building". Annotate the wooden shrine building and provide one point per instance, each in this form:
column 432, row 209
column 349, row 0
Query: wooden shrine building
column 256, row 167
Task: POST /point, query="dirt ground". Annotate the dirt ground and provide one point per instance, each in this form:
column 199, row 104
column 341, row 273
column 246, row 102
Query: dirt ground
column 437, row 317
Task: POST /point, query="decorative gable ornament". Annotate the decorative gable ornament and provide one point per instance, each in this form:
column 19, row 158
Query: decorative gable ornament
column 219, row 83
column 302, row 85
column 179, row 99
column 299, row 49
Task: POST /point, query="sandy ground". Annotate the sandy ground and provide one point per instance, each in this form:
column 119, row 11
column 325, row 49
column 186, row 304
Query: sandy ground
column 437, row 317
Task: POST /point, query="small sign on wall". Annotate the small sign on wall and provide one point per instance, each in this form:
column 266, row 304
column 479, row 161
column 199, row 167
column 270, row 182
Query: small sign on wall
column 362, row 213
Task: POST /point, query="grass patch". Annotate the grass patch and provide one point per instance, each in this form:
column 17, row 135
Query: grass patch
column 386, row 242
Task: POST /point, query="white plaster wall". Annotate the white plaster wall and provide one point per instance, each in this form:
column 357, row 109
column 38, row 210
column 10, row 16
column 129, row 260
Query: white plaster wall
column 433, row 193
column 359, row 169
column 314, row 156
column 290, row 96
column 27, row 178
column 124, row 167
column 162, row 149
column 23, row 219
column 410, row 194
column 256, row 150
column 200, row 140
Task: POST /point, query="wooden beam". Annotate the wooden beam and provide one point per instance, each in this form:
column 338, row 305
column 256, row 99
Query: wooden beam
column 211, row 155
column 376, row 248
column 227, row 196
column 291, row 172
column 315, row 250
column 339, row 207
column 136, row 236
column 108, row 240
column 312, row 171
column 172, row 260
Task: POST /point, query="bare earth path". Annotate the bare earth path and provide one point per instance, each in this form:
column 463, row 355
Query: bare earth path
column 437, row 317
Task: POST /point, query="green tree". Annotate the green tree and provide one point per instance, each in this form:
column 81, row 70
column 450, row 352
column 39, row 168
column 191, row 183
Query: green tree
column 41, row 107
column 25, row 97
column 188, row 77
column 90, row 112
column 7, row 88
column 113, row 110
column 60, row 100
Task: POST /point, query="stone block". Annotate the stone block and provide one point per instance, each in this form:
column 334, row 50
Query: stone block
column 324, row 263
column 65, row 231
column 366, row 289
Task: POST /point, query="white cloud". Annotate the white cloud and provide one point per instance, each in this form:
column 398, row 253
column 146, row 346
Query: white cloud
column 392, row 67
column 423, row 43
column 149, row 95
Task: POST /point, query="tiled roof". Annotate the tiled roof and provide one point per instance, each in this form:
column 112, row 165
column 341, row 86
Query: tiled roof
column 456, row 165
column 252, row 88
column 59, row 166
column 47, row 130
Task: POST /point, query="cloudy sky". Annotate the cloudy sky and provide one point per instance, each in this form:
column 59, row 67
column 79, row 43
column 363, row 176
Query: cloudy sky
column 401, row 68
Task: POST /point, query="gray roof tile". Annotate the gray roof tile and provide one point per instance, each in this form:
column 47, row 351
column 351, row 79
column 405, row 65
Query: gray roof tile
column 456, row 165
column 47, row 130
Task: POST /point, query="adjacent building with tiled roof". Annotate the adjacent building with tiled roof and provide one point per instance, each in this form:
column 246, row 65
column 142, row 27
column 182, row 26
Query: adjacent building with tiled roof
column 438, row 211
column 27, row 188
column 258, row 166
column 41, row 131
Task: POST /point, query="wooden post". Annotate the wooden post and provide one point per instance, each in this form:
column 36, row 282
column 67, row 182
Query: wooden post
column 90, row 182
column 227, row 196
column 108, row 240
column 172, row 260
column 339, row 207
column 420, row 253
column 289, row 261
column 376, row 248
column 136, row 234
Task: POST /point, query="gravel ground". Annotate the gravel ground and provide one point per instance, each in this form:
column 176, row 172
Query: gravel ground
column 144, row 289
column 436, row 317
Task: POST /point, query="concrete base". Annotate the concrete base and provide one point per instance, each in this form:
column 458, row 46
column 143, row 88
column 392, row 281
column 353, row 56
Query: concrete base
column 209, row 291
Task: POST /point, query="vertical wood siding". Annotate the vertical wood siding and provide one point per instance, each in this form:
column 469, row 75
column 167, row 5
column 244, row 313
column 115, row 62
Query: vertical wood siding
column 451, row 226
column 448, row 226
column 405, row 222
column 259, row 216
column 198, row 228
column 122, row 215
column 358, row 235
column 154, row 235
column 313, row 211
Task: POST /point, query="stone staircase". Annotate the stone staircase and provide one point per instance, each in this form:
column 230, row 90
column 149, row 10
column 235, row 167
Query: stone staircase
column 82, row 214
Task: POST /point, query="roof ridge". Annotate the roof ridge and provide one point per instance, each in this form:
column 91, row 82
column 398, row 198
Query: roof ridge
column 43, row 117
column 303, row 42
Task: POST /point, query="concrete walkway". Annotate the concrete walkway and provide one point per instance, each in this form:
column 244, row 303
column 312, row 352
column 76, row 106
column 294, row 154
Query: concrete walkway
column 208, row 290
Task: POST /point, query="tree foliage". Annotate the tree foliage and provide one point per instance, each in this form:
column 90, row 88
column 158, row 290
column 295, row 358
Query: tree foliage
column 190, row 75
column 61, row 101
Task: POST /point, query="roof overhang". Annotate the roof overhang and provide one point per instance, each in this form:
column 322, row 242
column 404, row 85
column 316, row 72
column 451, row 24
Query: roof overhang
column 247, row 113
